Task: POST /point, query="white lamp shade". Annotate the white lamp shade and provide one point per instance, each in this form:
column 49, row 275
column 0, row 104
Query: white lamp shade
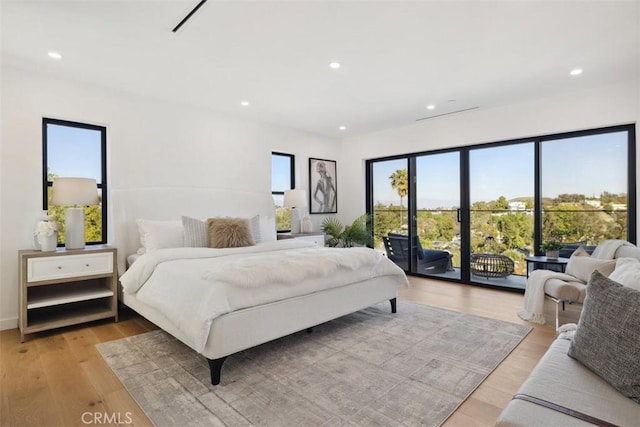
column 295, row 199
column 74, row 191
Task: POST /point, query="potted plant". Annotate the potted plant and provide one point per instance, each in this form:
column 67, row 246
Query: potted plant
column 551, row 248
column 359, row 232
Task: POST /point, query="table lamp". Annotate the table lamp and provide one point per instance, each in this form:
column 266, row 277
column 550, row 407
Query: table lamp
column 295, row 199
column 73, row 192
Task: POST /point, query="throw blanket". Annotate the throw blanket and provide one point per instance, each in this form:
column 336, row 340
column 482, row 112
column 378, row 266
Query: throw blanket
column 260, row 270
column 608, row 248
column 533, row 310
column 534, row 294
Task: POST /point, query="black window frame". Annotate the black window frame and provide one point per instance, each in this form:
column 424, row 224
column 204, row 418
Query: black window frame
column 464, row 150
column 292, row 177
column 102, row 186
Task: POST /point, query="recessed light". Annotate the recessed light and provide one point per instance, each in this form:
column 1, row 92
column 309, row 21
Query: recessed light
column 335, row 65
column 342, row 128
column 431, row 107
column 54, row 55
column 244, row 103
column 576, row 72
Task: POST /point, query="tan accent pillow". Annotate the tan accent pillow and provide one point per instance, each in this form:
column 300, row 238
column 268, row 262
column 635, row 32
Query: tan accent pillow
column 581, row 265
column 229, row 232
column 580, row 251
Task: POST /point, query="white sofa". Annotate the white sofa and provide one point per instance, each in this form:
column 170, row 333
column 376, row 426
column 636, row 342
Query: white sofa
column 570, row 383
column 564, row 381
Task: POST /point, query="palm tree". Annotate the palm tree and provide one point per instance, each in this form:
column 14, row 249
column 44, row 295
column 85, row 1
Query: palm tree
column 400, row 183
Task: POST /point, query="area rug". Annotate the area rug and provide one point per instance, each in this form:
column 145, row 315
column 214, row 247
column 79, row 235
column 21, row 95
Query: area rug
column 412, row 368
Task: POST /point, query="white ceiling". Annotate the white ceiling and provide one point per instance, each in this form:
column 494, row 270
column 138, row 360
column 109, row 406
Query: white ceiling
column 397, row 56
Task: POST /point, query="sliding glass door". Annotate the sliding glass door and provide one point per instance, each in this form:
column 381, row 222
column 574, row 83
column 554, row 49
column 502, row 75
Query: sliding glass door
column 475, row 213
column 390, row 215
column 501, row 188
column 437, row 201
column 584, row 188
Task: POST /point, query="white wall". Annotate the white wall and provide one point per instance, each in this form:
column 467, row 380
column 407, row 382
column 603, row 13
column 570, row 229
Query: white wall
column 150, row 143
column 586, row 109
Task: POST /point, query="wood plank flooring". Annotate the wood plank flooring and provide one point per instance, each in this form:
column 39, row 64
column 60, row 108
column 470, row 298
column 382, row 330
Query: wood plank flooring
column 57, row 376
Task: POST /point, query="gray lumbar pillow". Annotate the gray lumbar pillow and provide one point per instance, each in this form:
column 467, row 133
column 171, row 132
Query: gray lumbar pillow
column 607, row 340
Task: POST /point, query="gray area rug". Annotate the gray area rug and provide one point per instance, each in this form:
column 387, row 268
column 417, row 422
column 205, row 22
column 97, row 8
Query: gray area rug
column 413, row 368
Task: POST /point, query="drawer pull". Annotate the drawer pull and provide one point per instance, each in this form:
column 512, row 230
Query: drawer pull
column 87, row 265
column 59, row 267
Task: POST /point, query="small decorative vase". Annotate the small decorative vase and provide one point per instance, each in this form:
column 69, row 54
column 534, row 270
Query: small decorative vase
column 45, row 235
column 307, row 225
column 552, row 254
column 48, row 243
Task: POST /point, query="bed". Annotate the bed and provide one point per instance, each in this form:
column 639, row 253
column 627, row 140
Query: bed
column 161, row 284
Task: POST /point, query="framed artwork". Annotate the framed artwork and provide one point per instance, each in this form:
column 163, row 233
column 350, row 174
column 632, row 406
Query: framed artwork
column 323, row 187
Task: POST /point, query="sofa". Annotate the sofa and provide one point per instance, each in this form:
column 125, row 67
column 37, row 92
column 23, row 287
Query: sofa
column 565, row 381
column 592, row 370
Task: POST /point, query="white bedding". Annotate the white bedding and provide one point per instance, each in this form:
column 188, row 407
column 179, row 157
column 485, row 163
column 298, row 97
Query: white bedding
column 187, row 285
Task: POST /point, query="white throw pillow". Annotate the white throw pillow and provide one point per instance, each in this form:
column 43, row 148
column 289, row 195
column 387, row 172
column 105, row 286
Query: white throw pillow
column 581, row 265
column 196, row 232
column 627, row 272
column 156, row 235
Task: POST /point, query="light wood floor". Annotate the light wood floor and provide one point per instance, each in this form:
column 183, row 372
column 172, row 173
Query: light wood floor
column 55, row 377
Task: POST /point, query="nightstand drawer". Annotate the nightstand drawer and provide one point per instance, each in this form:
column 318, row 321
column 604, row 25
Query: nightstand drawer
column 318, row 239
column 58, row 267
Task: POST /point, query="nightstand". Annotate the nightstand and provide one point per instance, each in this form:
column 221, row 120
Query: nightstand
column 67, row 287
column 317, row 238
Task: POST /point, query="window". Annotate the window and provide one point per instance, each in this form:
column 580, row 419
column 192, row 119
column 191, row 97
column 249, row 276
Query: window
column 504, row 199
column 584, row 183
column 282, row 178
column 73, row 149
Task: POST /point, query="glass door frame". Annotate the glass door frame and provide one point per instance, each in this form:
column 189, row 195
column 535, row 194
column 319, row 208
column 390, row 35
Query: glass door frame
column 464, row 216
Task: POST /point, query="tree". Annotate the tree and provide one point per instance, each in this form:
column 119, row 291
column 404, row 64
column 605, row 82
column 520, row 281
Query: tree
column 400, row 183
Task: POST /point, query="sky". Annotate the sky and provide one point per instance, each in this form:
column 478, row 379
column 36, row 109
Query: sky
column 74, row 152
column 586, row 165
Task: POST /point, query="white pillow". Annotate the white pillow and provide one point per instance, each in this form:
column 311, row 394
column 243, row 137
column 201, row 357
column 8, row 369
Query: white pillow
column 267, row 229
column 627, row 272
column 156, row 235
column 581, row 265
column 196, row 232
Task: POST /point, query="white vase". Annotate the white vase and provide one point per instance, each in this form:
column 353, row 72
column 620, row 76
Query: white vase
column 45, row 235
column 48, row 243
column 306, row 224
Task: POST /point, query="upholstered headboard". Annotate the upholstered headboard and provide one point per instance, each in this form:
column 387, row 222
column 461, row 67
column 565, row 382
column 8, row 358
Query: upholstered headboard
column 171, row 203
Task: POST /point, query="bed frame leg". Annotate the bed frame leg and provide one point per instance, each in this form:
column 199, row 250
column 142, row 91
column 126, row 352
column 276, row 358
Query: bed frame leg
column 393, row 305
column 215, row 366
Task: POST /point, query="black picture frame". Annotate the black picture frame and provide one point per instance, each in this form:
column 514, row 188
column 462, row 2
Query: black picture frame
column 323, row 186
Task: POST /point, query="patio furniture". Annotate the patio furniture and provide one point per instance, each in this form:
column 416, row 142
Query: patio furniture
column 491, row 265
column 430, row 261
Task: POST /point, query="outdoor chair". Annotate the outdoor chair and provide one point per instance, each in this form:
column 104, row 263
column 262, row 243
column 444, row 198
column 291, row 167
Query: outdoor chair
column 430, row 261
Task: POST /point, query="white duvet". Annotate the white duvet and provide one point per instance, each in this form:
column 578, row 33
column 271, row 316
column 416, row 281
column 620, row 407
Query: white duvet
column 193, row 286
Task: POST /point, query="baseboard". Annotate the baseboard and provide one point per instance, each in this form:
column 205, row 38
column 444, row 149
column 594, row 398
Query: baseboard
column 10, row 323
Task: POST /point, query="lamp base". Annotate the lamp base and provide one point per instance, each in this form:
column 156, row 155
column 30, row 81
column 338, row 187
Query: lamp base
column 74, row 228
column 296, row 220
